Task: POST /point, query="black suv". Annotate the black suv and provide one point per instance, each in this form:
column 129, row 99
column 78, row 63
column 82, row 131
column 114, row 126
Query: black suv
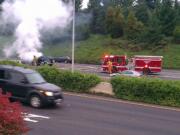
column 28, row 86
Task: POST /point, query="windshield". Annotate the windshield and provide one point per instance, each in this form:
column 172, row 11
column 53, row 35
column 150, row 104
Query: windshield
column 35, row 78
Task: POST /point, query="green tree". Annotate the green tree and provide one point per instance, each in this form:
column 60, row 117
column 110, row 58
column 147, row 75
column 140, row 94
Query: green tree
column 176, row 34
column 93, row 4
column 151, row 4
column 142, row 12
column 167, row 17
column 127, row 5
column 177, row 9
column 109, row 20
column 82, row 25
column 78, row 5
column 153, row 33
column 134, row 28
column 115, row 22
column 98, row 16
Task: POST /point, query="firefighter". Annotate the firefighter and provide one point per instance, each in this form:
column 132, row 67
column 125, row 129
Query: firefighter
column 34, row 62
column 109, row 63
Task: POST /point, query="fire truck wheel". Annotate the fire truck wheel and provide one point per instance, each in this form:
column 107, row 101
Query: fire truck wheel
column 115, row 69
column 146, row 71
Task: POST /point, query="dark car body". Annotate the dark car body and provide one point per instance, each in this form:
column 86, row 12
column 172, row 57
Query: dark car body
column 43, row 60
column 63, row 59
column 28, row 86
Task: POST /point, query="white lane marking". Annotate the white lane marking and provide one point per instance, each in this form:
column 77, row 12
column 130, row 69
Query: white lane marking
column 37, row 116
column 92, row 67
column 124, row 102
column 30, row 117
column 30, row 120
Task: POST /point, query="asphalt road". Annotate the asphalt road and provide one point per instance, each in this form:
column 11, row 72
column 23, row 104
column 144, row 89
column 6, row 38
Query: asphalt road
column 96, row 69
column 81, row 115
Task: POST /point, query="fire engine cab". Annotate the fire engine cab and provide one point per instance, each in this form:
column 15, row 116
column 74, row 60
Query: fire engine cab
column 140, row 63
column 118, row 63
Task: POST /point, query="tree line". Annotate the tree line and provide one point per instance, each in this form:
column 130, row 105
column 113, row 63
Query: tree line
column 141, row 21
column 151, row 22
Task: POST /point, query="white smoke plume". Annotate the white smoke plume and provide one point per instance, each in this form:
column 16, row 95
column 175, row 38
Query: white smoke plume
column 30, row 16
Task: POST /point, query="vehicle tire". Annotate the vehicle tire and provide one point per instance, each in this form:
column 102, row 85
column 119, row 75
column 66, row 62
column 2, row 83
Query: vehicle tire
column 114, row 70
column 35, row 101
column 146, row 71
column 65, row 61
column 41, row 64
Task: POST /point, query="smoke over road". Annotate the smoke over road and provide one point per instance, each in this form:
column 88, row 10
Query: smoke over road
column 29, row 17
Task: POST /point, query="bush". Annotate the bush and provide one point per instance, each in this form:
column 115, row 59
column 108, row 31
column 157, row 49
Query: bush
column 147, row 90
column 176, row 34
column 13, row 63
column 11, row 121
column 76, row 81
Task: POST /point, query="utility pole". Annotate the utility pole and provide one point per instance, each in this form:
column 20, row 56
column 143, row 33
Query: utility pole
column 73, row 36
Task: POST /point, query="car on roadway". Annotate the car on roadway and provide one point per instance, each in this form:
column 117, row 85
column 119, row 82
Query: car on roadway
column 44, row 60
column 29, row 86
column 131, row 73
column 63, row 59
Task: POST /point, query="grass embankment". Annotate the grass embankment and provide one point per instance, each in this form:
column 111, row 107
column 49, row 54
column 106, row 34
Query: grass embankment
column 92, row 49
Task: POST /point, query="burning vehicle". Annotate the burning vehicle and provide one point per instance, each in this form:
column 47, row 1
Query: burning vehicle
column 31, row 20
column 39, row 61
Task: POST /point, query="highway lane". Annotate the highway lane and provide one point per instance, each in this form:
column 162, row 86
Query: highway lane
column 170, row 74
column 81, row 115
column 96, row 69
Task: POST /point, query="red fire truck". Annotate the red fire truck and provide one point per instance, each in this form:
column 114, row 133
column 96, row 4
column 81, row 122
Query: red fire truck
column 140, row 63
column 147, row 64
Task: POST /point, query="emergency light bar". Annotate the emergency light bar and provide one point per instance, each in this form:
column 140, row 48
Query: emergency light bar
column 106, row 56
column 111, row 56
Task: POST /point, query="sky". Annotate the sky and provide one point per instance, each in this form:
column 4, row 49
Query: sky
column 84, row 4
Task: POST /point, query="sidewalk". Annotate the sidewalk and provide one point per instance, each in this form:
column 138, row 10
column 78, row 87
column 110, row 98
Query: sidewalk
column 103, row 87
